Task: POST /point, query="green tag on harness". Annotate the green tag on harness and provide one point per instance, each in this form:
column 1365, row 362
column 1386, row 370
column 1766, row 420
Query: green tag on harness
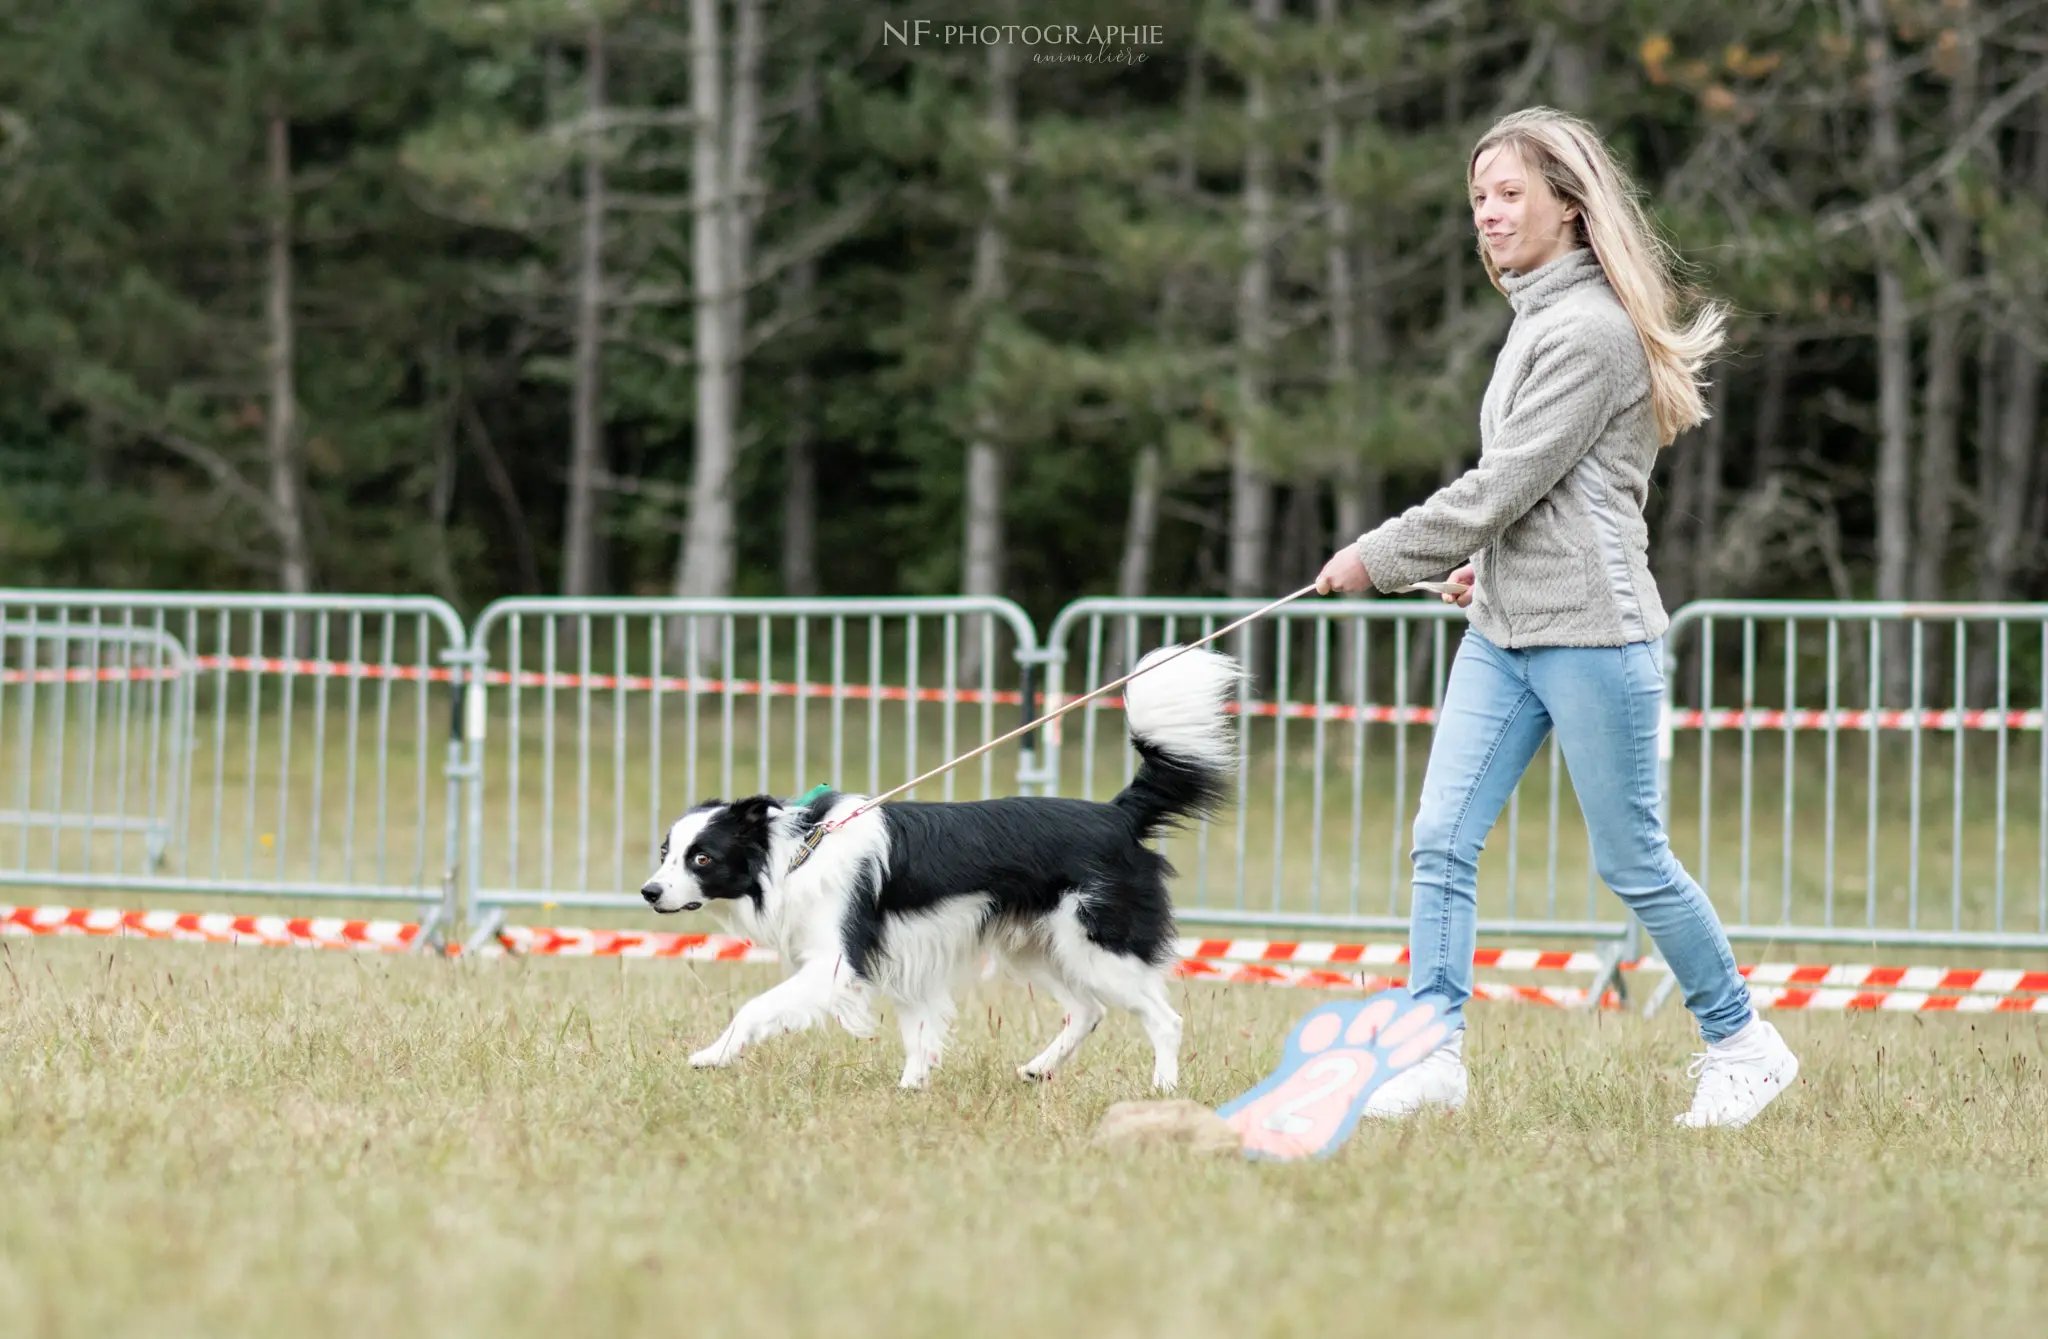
column 803, row 852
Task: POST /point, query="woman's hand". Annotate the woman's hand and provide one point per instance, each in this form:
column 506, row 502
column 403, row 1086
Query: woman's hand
column 1465, row 577
column 1344, row 574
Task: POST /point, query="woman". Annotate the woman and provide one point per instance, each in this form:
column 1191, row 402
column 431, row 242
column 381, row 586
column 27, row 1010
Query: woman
column 1565, row 625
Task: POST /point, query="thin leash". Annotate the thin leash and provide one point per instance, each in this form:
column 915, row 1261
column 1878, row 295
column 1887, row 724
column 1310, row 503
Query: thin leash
column 819, row 832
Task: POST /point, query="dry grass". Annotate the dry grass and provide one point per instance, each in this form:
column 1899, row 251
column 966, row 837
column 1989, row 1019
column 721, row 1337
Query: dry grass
column 204, row 1141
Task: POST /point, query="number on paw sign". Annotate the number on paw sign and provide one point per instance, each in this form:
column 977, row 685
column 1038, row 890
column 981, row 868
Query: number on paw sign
column 1337, row 1057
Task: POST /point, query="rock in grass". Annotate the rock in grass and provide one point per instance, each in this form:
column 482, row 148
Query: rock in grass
column 1132, row 1125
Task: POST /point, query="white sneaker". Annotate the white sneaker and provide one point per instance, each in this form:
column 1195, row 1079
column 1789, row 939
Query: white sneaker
column 1739, row 1076
column 1437, row 1080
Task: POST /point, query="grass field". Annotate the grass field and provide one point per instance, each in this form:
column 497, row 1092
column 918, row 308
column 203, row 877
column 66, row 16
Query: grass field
column 214, row 1141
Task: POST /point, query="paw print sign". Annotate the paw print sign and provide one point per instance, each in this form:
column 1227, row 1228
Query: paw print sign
column 1337, row 1056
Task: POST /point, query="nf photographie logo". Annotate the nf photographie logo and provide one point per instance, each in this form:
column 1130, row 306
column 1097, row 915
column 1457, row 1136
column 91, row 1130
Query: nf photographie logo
column 1051, row 43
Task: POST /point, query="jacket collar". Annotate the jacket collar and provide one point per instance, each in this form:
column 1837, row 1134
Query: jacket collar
column 1544, row 285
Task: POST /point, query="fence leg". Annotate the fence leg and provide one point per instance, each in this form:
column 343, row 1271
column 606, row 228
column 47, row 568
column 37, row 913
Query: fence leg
column 464, row 772
column 486, row 931
column 1609, row 974
column 1038, row 767
column 433, row 935
column 440, row 924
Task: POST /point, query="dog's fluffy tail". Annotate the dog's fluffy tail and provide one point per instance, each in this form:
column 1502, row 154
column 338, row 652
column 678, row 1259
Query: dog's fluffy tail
column 1186, row 747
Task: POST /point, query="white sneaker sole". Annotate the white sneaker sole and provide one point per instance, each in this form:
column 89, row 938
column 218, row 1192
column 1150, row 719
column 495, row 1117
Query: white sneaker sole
column 1391, row 1103
column 1765, row 1093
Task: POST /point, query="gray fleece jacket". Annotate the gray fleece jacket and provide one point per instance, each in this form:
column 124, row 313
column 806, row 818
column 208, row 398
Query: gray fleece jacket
column 1551, row 517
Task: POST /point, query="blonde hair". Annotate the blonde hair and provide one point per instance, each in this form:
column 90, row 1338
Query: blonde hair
column 1640, row 267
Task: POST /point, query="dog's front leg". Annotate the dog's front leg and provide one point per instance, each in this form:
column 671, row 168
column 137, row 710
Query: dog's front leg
column 924, row 1024
column 792, row 1006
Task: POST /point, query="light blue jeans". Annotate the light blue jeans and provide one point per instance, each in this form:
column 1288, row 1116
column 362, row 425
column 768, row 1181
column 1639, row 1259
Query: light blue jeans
column 1603, row 702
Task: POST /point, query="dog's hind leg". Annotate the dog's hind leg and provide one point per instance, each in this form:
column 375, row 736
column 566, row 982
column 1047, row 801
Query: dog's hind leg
column 1083, row 1015
column 1131, row 983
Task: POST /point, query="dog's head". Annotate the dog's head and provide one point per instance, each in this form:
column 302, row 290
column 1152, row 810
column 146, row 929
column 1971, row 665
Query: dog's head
column 717, row 850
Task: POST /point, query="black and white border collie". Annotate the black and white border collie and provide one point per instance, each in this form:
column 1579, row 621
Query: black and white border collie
column 907, row 899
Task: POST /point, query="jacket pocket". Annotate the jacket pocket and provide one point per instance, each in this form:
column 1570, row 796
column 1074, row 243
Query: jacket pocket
column 1541, row 569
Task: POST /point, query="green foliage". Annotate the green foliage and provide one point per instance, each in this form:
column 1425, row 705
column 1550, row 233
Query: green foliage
column 435, row 149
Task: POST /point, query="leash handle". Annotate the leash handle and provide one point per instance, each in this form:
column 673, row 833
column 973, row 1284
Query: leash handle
column 1029, row 726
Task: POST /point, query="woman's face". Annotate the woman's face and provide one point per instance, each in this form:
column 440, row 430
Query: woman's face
column 1521, row 221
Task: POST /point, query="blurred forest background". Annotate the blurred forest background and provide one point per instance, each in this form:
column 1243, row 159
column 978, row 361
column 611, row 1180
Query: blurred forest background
column 731, row 296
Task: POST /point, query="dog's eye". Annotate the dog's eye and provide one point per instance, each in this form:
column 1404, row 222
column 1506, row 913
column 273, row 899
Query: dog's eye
column 700, row 860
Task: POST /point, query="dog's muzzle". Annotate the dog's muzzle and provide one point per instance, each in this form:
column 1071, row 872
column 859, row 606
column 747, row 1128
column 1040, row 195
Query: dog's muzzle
column 654, row 892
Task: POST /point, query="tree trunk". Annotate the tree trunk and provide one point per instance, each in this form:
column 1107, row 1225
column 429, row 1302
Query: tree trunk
column 981, row 557
column 1894, row 349
column 981, row 521
column 440, row 506
column 1990, row 372
column 1459, row 262
column 580, row 574
column 1942, row 408
column 500, row 481
column 1251, row 492
column 2009, row 400
column 800, row 488
column 1770, row 408
column 744, row 197
column 1344, row 362
column 1357, row 343
column 2018, row 427
column 705, row 569
column 1572, row 62
column 1678, row 535
column 1141, row 525
column 281, row 424
column 1707, row 534
column 1702, row 521
column 800, row 467
column 2010, row 478
column 1148, row 471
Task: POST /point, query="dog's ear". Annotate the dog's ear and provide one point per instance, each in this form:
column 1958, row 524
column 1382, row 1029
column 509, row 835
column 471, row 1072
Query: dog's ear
column 754, row 811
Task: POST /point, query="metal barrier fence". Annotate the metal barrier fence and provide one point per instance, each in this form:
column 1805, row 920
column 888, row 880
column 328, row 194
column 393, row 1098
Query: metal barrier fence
column 616, row 715
column 152, row 742
column 1852, row 721
column 1886, row 784
column 1331, row 758
column 185, row 743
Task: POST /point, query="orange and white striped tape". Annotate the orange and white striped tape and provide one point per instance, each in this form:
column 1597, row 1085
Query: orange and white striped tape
column 206, row 927
column 1896, row 1001
column 1993, row 980
column 1318, row 952
column 565, row 942
column 1322, row 978
column 1737, row 718
column 1303, row 964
